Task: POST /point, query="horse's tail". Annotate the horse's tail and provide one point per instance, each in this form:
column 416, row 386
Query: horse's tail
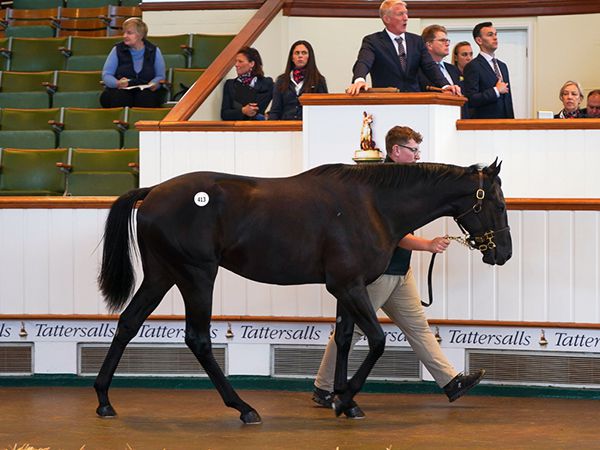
column 117, row 277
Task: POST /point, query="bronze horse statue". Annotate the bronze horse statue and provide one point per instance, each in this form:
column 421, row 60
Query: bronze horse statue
column 334, row 224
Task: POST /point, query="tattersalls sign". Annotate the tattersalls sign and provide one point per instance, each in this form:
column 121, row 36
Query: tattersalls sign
column 171, row 331
column 55, row 342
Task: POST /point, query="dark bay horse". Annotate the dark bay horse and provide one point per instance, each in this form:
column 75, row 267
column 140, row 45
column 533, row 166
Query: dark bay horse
column 334, row 224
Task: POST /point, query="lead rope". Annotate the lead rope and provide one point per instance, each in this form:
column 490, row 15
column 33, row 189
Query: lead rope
column 460, row 240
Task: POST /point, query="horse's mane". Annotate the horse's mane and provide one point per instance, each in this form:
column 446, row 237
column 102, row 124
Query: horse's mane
column 394, row 174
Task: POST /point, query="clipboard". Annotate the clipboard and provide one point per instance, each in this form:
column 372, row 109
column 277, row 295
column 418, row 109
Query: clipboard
column 244, row 94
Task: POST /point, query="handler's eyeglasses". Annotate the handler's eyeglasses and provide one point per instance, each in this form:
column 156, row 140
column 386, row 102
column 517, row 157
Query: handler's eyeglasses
column 415, row 150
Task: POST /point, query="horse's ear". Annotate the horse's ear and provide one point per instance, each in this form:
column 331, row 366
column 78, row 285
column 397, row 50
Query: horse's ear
column 494, row 168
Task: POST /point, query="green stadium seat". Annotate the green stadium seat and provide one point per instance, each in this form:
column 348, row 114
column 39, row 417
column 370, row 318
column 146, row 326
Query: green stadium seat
column 89, row 53
column 24, row 89
column 77, row 89
column 23, row 29
column 4, row 53
column 181, row 81
column 95, row 172
column 28, row 128
column 206, row 47
column 175, row 49
column 36, row 55
column 118, row 14
column 130, row 2
column 90, row 128
column 131, row 136
column 36, row 4
column 31, row 171
column 31, row 22
column 90, row 3
column 82, row 27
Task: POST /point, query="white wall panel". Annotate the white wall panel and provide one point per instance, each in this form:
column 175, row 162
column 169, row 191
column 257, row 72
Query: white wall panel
column 86, row 259
column 61, row 246
column 12, row 278
column 586, row 250
column 560, row 266
column 509, row 276
column 535, row 265
column 35, row 260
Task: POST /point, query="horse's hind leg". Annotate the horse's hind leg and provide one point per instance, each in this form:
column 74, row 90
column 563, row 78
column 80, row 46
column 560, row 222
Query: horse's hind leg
column 197, row 290
column 145, row 300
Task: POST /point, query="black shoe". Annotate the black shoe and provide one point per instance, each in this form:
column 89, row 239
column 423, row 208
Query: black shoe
column 461, row 384
column 322, row 398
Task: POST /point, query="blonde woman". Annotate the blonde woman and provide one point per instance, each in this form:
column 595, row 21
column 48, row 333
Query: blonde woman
column 571, row 96
column 133, row 70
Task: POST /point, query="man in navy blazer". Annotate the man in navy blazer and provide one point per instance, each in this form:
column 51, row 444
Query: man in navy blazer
column 486, row 83
column 437, row 43
column 382, row 55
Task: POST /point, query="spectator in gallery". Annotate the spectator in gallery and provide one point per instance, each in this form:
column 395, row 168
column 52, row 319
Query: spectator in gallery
column 571, row 96
column 133, row 70
column 247, row 96
column 592, row 110
column 462, row 54
column 301, row 76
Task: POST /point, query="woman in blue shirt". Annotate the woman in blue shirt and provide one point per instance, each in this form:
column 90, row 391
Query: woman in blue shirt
column 131, row 63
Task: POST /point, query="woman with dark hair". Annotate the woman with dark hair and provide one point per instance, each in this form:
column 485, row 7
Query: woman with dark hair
column 247, row 96
column 301, row 75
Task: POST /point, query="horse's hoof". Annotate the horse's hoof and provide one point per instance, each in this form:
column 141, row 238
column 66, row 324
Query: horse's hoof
column 351, row 412
column 354, row 412
column 106, row 411
column 251, row 418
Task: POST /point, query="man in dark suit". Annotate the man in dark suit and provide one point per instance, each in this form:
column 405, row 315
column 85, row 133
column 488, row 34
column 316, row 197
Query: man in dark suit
column 393, row 57
column 486, row 82
column 437, row 43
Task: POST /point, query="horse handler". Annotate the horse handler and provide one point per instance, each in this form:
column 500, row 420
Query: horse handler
column 395, row 292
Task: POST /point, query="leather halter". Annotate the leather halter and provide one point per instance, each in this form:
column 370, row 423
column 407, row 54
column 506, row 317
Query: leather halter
column 484, row 241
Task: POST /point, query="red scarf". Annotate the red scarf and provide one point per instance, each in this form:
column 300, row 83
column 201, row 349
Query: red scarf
column 246, row 78
column 298, row 75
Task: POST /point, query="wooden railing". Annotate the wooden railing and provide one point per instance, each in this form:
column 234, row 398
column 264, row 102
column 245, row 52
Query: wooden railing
column 515, row 204
column 417, row 8
column 528, row 124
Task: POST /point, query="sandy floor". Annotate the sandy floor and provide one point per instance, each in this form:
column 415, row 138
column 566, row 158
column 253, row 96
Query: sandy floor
column 64, row 418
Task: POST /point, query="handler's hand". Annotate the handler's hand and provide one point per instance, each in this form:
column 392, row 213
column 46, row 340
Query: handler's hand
column 439, row 244
column 356, row 87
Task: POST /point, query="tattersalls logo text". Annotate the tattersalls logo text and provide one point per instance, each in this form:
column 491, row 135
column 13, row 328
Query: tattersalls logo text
column 265, row 332
column 517, row 338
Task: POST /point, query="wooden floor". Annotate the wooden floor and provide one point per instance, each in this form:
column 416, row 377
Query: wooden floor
column 64, row 418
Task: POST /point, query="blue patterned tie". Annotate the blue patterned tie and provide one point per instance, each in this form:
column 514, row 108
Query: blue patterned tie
column 401, row 52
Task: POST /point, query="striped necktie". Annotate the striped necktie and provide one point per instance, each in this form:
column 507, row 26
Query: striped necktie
column 446, row 73
column 497, row 69
column 401, row 52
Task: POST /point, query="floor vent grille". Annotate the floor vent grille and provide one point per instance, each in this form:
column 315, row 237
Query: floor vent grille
column 150, row 360
column 397, row 363
column 16, row 359
column 533, row 368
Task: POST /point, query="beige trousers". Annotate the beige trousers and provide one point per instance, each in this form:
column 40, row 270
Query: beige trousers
column 399, row 298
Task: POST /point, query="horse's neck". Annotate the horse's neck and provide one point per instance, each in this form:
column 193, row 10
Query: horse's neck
column 412, row 208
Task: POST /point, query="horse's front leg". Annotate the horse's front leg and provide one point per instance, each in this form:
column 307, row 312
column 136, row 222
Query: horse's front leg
column 357, row 309
column 343, row 341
